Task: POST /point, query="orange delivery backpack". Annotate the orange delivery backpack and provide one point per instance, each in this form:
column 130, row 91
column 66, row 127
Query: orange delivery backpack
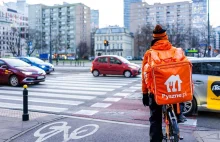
column 168, row 75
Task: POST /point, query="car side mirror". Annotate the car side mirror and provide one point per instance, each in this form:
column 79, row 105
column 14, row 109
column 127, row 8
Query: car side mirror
column 4, row 66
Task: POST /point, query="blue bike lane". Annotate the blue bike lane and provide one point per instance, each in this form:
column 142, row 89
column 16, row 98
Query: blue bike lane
column 79, row 129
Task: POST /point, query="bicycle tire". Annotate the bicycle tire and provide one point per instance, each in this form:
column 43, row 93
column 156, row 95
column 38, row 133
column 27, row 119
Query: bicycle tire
column 174, row 128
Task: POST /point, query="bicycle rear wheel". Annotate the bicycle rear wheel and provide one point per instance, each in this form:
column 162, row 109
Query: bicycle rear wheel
column 174, row 131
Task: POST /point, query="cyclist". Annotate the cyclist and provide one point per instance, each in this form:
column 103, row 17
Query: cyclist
column 160, row 42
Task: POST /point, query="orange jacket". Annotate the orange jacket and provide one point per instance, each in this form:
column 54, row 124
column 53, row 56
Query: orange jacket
column 158, row 45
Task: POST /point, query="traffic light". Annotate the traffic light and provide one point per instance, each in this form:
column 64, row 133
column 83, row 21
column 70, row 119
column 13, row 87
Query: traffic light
column 106, row 43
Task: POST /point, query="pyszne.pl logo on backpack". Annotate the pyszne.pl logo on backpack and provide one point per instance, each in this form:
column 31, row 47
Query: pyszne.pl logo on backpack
column 173, row 86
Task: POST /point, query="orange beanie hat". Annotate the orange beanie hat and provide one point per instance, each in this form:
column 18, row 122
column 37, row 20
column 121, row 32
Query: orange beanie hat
column 159, row 33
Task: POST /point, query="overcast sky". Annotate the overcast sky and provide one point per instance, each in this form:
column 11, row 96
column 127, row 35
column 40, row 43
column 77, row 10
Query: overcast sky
column 111, row 11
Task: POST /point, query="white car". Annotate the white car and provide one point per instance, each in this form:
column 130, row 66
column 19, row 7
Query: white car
column 129, row 57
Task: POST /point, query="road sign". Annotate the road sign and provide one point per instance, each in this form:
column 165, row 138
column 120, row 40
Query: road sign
column 30, row 43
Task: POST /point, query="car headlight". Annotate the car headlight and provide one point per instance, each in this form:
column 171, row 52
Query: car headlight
column 133, row 67
column 43, row 66
column 27, row 73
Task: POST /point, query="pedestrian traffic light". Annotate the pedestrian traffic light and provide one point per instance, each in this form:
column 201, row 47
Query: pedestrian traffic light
column 107, row 43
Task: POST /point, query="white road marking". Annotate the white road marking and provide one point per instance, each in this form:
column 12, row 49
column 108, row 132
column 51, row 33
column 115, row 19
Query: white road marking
column 122, row 94
column 40, row 100
column 129, row 90
column 190, row 122
column 112, row 99
column 33, row 107
column 80, row 85
column 53, row 95
column 86, row 112
column 107, row 121
column 64, row 128
column 78, row 88
column 58, row 91
column 135, row 88
column 101, row 105
column 86, row 82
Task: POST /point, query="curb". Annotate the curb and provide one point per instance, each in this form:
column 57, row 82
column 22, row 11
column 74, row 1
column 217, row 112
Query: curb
column 33, row 127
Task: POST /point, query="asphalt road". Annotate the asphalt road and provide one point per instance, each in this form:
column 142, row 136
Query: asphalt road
column 111, row 98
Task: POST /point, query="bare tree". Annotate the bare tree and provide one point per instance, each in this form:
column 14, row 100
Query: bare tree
column 82, row 49
column 143, row 38
column 56, row 45
column 33, row 41
column 13, row 41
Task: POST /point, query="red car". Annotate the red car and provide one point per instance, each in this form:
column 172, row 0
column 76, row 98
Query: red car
column 16, row 72
column 114, row 65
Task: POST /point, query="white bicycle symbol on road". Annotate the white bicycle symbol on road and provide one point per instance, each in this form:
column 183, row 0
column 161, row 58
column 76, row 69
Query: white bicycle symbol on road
column 85, row 131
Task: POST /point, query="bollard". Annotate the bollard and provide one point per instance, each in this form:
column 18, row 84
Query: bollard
column 83, row 64
column 71, row 62
column 25, row 116
column 75, row 63
column 63, row 63
column 80, row 63
column 56, row 62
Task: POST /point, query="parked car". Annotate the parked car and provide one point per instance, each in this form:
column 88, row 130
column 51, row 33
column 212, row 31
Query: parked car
column 71, row 58
column 129, row 57
column 33, row 61
column 16, row 72
column 206, row 78
column 114, row 65
column 91, row 58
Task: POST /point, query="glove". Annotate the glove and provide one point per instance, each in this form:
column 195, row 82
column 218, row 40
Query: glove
column 145, row 100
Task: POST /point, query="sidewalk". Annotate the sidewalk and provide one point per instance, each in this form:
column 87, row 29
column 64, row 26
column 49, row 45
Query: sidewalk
column 12, row 126
column 207, row 135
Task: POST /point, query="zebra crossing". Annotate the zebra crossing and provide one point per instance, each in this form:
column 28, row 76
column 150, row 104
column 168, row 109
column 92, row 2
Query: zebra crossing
column 77, row 93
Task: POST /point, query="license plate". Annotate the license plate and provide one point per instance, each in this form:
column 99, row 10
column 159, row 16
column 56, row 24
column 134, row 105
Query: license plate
column 50, row 69
column 40, row 77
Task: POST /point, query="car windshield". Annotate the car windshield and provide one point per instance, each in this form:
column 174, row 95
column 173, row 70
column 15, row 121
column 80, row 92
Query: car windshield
column 35, row 60
column 123, row 60
column 16, row 63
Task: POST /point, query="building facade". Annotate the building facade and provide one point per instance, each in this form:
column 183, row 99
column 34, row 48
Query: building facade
column 216, row 36
column 121, row 41
column 167, row 14
column 199, row 13
column 63, row 26
column 94, row 19
column 21, row 6
column 13, row 28
column 127, row 5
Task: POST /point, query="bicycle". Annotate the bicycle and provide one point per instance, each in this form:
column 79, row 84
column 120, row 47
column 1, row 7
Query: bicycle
column 172, row 132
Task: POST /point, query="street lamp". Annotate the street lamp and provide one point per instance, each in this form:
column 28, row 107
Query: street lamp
column 208, row 44
column 50, row 57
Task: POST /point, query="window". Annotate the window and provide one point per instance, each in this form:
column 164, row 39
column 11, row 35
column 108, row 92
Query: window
column 211, row 68
column 114, row 61
column 196, row 68
column 2, row 63
column 103, row 60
